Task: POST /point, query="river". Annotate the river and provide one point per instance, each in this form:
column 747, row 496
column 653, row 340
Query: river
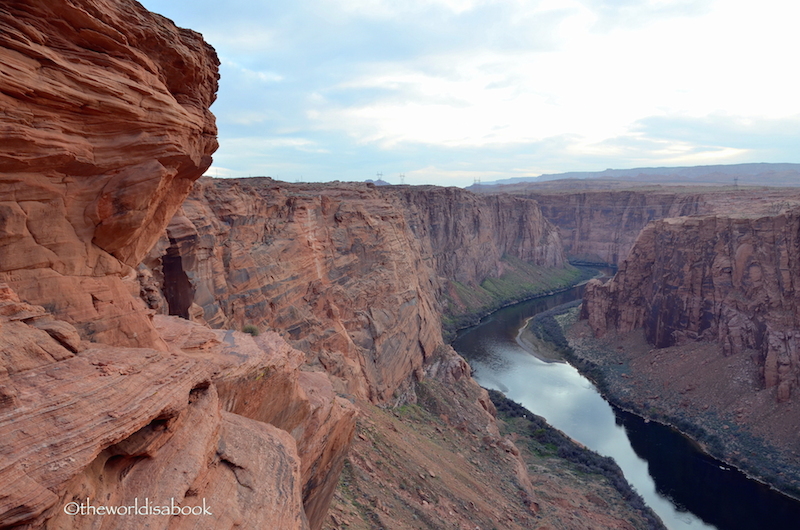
column 685, row 487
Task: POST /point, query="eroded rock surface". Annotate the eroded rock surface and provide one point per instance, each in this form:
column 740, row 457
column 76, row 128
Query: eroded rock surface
column 116, row 424
column 466, row 235
column 601, row 226
column 348, row 271
column 337, row 270
column 105, row 127
column 722, row 278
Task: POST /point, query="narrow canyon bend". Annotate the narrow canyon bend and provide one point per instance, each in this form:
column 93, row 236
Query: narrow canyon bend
column 126, row 281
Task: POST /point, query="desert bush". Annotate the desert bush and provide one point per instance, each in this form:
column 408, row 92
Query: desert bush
column 251, row 329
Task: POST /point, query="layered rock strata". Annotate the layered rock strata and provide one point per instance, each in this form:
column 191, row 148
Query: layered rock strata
column 601, row 226
column 337, row 270
column 467, row 235
column 729, row 279
column 118, row 425
column 105, row 127
column 349, row 271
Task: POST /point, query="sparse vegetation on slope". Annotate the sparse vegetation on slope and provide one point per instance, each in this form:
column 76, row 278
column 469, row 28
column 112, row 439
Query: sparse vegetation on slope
column 543, row 441
column 626, row 369
column 435, row 465
column 465, row 305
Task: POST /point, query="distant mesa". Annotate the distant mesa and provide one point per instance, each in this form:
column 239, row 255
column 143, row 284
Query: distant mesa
column 756, row 174
column 379, row 182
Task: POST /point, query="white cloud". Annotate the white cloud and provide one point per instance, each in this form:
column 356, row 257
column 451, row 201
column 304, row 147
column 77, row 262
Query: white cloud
column 394, row 8
column 555, row 85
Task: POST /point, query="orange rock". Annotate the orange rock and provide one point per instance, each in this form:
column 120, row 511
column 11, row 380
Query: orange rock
column 722, row 278
column 106, row 126
column 348, row 271
column 260, row 378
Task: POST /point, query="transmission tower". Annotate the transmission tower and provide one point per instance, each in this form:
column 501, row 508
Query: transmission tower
column 402, row 178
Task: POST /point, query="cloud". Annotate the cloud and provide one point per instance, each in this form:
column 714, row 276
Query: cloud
column 739, row 132
column 339, row 89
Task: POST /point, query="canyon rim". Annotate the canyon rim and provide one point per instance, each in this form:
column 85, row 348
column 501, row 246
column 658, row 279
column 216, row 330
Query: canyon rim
column 128, row 280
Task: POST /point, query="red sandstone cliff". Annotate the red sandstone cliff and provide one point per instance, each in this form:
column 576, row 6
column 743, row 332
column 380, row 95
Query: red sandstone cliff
column 601, row 226
column 466, row 235
column 335, row 267
column 105, row 127
column 729, row 279
column 349, row 271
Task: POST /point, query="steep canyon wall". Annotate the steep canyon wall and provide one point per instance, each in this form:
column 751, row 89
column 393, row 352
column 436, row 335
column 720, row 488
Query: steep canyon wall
column 467, row 235
column 349, row 271
column 601, row 226
column 106, row 127
column 730, row 279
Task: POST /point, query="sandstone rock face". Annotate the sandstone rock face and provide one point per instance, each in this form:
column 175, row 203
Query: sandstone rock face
column 222, row 417
column 467, row 234
column 260, row 378
column 336, row 268
column 106, row 125
column 349, row 271
column 723, row 278
column 601, row 226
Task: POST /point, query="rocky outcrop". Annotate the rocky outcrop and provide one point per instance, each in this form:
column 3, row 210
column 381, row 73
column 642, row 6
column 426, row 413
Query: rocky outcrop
column 105, row 127
column 337, row 270
column 86, row 421
column 260, row 378
column 601, row 226
column 467, row 235
column 349, row 271
column 729, row 279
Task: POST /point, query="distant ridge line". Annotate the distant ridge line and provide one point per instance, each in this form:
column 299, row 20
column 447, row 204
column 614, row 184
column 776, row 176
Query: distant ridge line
column 755, row 173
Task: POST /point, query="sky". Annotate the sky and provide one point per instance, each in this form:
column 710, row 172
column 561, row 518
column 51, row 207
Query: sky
column 451, row 92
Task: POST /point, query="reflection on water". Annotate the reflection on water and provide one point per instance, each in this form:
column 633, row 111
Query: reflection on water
column 691, row 485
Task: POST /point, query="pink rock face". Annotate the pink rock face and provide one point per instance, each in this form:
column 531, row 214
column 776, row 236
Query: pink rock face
column 81, row 420
column 337, row 270
column 721, row 278
column 348, row 271
column 260, row 378
column 105, row 127
column 466, row 234
column 601, row 226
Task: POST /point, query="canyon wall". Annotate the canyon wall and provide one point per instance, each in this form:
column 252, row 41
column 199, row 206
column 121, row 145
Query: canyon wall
column 336, row 268
column 349, row 271
column 466, row 235
column 726, row 278
column 106, row 127
column 601, row 226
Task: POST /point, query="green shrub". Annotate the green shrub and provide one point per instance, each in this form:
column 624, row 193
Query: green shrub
column 251, row 329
